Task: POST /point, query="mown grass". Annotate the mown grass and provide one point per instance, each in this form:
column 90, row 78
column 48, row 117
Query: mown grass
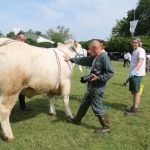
column 36, row 130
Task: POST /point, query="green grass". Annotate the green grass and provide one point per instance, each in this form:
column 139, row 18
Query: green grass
column 36, row 130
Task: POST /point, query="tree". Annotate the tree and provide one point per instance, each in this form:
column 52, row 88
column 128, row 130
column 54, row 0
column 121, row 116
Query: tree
column 30, row 31
column 142, row 14
column 10, row 35
column 85, row 44
column 1, row 34
column 42, row 44
column 31, row 42
column 38, row 32
column 62, row 35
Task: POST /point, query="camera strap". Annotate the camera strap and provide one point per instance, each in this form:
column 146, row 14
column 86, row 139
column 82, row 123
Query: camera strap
column 93, row 63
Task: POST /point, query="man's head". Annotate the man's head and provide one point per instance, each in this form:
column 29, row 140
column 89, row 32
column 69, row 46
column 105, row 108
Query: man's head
column 103, row 45
column 136, row 42
column 95, row 48
column 20, row 37
column 75, row 44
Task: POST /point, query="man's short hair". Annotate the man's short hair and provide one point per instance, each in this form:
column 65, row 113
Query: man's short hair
column 18, row 34
column 103, row 43
column 138, row 40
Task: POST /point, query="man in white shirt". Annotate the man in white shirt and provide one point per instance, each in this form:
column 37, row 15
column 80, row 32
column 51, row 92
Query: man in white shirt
column 103, row 45
column 129, row 57
column 137, row 71
column 125, row 59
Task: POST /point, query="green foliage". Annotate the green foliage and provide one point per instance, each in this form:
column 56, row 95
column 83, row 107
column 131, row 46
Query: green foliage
column 11, row 35
column 1, row 34
column 31, row 42
column 35, row 130
column 38, row 32
column 45, row 44
column 85, row 44
column 35, row 32
column 42, row 44
column 142, row 13
column 61, row 35
column 119, row 44
column 146, row 42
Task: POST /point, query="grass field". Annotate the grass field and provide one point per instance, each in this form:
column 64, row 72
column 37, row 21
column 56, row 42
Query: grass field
column 36, row 130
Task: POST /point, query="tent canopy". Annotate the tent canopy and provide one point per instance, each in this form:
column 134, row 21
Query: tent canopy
column 37, row 38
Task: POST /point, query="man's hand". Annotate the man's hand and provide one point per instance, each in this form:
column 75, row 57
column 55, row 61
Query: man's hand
column 95, row 77
column 66, row 58
column 132, row 74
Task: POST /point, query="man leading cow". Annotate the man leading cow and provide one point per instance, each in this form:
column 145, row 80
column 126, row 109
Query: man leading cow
column 101, row 62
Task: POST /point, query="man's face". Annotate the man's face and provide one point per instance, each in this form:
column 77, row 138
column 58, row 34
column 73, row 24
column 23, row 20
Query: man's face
column 102, row 46
column 21, row 38
column 135, row 44
column 92, row 50
column 95, row 50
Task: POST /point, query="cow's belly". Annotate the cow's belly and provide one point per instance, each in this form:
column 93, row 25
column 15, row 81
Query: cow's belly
column 30, row 92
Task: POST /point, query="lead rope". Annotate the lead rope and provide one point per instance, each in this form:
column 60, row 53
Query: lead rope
column 7, row 42
column 59, row 68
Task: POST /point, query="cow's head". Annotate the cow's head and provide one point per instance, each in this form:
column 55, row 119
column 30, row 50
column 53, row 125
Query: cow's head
column 75, row 49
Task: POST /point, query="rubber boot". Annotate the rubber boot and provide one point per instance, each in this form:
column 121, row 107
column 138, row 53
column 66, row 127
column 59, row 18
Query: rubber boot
column 80, row 114
column 105, row 123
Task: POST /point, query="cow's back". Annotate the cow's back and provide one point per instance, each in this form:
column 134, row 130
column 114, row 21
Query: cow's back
column 31, row 69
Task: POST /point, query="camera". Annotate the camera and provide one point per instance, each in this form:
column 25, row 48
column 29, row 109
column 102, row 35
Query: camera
column 89, row 77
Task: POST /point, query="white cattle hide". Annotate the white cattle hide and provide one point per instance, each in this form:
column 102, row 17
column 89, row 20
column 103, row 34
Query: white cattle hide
column 30, row 70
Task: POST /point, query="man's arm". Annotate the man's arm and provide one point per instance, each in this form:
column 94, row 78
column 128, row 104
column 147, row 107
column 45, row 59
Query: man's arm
column 84, row 61
column 139, row 64
column 108, row 71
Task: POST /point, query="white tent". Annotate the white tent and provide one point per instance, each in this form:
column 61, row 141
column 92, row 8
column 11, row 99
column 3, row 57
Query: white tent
column 41, row 39
column 17, row 30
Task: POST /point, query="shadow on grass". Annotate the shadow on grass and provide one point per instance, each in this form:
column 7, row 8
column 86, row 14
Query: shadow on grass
column 39, row 106
column 120, row 84
column 2, row 136
column 117, row 106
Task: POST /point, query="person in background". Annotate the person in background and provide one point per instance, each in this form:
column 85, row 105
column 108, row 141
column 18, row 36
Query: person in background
column 103, row 45
column 21, row 37
column 125, row 59
column 137, row 71
column 101, row 62
column 129, row 60
column 129, row 57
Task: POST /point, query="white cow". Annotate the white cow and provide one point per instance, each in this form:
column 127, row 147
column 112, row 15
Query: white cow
column 31, row 71
column 148, row 63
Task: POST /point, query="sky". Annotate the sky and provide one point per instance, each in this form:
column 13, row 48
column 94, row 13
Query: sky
column 86, row 19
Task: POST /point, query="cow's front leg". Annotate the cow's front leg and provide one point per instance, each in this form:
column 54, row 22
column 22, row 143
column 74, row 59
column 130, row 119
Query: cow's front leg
column 67, row 107
column 6, row 105
column 52, row 111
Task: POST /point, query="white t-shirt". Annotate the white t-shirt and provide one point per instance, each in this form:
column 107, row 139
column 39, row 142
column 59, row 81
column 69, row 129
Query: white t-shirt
column 129, row 56
column 104, row 51
column 125, row 56
column 138, row 53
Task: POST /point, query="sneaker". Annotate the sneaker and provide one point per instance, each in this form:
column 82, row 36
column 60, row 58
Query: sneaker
column 132, row 112
column 124, row 83
column 129, row 109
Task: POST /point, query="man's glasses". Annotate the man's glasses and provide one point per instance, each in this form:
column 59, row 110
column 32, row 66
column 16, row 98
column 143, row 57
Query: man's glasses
column 134, row 42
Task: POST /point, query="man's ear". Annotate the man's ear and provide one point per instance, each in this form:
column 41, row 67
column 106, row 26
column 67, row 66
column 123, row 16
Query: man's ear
column 94, row 47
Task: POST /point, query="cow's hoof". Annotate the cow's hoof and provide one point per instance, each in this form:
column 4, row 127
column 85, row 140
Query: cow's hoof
column 69, row 119
column 51, row 114
column 8, row 139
